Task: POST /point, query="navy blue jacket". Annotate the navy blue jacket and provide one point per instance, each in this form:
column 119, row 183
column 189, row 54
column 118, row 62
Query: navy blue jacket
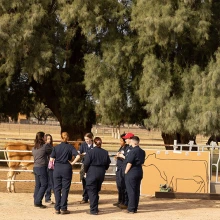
column 96, row 157
column 124, row 150
column 63, row 152
column 84, row 148
column 136, row 157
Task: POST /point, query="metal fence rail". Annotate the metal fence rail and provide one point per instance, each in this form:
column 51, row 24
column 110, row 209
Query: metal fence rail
column 31, row 161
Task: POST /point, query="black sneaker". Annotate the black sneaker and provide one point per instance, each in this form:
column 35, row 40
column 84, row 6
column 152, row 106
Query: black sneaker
column 92, row 213
column 116, row 204
column 57, row 211
column 84, row 201
column 64, row 212
column 49, row 202
column 40, row 206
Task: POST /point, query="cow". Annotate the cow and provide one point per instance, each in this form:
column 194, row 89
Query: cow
column 26, row 158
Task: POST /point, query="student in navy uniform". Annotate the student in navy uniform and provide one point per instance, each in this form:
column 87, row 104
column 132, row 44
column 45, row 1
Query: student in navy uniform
column 119, row 177
column 134, row 174
column 49, row 140
column 96, row 163
column 41, row 152
column 84, row 148
column 123, row 155
column 62, row 175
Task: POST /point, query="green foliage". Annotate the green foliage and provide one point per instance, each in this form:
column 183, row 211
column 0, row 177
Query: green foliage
column 130, row 60
column 176, row 44
column 41, row 112
column 36, row 43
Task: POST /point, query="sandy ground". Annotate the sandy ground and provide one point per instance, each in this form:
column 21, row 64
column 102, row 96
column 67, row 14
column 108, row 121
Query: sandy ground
column 19, row 206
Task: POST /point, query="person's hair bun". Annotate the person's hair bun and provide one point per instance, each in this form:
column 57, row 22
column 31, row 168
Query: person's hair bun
column 98, row 141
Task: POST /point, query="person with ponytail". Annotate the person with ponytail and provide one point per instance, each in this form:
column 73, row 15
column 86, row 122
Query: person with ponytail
column 41, row 152
column 96, row 162
column 62, row 175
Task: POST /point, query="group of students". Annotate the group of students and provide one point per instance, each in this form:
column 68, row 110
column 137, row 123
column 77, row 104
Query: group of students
column 95, row 162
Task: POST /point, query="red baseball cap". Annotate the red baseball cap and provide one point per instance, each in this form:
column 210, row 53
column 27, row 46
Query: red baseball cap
column 128, row 136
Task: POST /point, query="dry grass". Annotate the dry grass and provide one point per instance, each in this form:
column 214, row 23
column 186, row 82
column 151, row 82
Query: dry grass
column 27, row 132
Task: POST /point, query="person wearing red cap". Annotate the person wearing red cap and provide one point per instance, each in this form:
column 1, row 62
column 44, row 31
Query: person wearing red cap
column 128, row 136
column 119, row 178
column 121, row 155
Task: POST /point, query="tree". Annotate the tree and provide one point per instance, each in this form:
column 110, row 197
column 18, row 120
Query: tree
column 15, row 98
column 109, row 71
column 37, row 44
column 131, row 60
column 177, row 41
column 41, row 112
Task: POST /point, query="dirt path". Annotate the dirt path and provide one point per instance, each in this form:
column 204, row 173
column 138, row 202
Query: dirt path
column 19, row 206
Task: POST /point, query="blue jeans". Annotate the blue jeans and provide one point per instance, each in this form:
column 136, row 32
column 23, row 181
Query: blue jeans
column 41, row 183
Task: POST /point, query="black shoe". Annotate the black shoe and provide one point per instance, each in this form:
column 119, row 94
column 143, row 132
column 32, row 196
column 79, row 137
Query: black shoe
column 122, row 206
column 92, row 213
column 40, row 206
column 126, row 211
column 84, row 201
column 57, row 211
column 116, row 204
column 64, row 212
column 49, row 202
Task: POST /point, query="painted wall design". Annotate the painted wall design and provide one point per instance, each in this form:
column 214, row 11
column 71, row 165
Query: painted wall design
column 183, row 171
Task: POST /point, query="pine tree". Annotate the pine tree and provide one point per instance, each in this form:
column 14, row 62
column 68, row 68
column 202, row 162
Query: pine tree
column 177, row 40
column 37, row 43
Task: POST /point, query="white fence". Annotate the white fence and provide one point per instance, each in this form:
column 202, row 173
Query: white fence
column 113, row 165
column 214, row 161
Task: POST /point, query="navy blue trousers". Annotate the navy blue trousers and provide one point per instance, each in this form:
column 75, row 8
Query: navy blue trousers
column 50, row 185
column 94, row 178
column 41, row 183
column 85, row 193
column 62, row 176
column 133, row 181
column 120, row 182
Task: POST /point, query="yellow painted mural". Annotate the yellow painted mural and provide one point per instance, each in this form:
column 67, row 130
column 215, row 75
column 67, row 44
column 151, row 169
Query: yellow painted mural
column 186, row 171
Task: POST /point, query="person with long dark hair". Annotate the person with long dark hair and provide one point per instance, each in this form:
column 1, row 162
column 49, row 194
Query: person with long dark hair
column 96, row 163
column 41, row 151
column 86, row 146
column 49, row 140
column 62, row 175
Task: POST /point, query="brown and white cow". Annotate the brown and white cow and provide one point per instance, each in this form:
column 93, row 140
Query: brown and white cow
column 26, row 158
column 15, row 164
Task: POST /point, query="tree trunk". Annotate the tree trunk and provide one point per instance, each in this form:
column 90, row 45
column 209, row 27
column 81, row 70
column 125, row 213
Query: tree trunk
column 75, row 132
column 181, row 139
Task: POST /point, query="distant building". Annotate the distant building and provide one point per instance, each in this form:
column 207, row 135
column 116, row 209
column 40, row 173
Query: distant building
column 22, row 119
